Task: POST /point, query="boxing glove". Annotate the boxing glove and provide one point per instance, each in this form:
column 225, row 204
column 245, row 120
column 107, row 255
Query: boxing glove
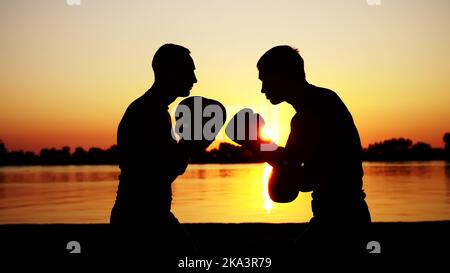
column 245, row 128
column 198, row 121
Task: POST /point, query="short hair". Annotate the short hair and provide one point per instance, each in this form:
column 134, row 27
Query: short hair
column 283, row 59
column 167, row 56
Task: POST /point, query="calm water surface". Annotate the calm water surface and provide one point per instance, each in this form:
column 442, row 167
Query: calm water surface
column 412, row 191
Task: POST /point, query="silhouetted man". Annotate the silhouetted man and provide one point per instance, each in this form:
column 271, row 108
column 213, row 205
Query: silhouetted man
column 151, row 159
column 322, row 155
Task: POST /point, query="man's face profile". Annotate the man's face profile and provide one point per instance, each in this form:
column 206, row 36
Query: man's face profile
column 183, row 77
column 273, row 86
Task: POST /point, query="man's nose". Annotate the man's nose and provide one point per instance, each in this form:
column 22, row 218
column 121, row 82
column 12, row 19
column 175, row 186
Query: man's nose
column 194, row 79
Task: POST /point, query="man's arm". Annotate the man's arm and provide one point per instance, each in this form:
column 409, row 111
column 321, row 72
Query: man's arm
column 274, row 158
column 183, row 152
column 288, row 177
column 181, row 158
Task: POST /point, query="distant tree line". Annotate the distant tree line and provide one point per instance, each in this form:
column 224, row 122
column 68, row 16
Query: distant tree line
column 225, row 153
column 401, row 149
column 396, row 149
column 64, row 156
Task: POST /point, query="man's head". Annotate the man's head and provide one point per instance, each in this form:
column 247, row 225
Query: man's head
column 174, row 69
column 282, row 73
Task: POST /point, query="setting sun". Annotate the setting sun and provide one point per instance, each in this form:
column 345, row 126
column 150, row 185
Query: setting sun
column 267, row 134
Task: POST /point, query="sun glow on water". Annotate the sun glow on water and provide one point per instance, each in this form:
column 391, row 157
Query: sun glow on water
column 268, row 203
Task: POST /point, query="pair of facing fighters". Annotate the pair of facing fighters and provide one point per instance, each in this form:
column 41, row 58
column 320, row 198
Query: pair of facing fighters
column 322, row 154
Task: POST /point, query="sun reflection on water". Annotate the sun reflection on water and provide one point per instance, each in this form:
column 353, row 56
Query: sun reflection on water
column 268, row 204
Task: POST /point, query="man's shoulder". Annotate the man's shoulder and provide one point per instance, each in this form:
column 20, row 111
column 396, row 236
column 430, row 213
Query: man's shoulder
column 141, row 110
column 326, row 95
column 144, row 105
column 329, row 101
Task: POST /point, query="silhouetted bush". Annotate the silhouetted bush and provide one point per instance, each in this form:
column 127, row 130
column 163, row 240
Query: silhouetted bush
column 3, row 153
column 21, row 158
column 80, row 156
column 446, row 140
column 55, row 157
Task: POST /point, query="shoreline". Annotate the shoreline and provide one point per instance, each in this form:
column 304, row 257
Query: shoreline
column 223, row 163
column 395, row 238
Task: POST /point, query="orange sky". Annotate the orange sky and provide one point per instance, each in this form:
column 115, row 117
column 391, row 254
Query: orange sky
column 67, row 73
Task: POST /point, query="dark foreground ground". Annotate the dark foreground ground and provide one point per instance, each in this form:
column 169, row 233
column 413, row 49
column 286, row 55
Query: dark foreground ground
column 224, row 242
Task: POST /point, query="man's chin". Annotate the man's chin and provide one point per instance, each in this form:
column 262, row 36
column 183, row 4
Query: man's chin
column 274, row 101
column 185, row 93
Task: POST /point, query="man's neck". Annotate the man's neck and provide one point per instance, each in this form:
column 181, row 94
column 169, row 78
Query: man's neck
column 299, row 97
column 161, row 93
